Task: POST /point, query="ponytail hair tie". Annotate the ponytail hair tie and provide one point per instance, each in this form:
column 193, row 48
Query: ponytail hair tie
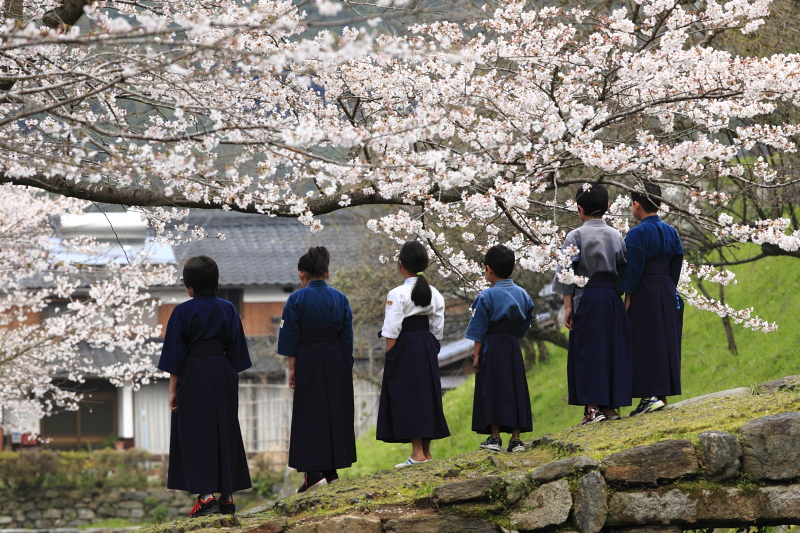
column 420, row 273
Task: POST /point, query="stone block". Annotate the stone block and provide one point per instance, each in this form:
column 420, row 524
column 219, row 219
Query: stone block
column 341, row 524
column 591, row 503
column 27, row 506
column 70, row 514
column 771, row 447
column 103, row 510
column 778, row 384
column 665, row 460
column 517, row 486
column 547, row 506
column 643, row 508
column 273, row 526
column 51, row 514
column 137, row 514
column 472, row 489
column 5, row 520
column 86, row 514
column 439, row 524
column 561, row 468
column 34, row 515
column 130, row 505
column 721, row 455
column 43, row 524
column 741, row 391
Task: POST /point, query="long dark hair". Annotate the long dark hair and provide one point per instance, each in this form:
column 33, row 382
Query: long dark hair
column 415, row 259
column 315, row 261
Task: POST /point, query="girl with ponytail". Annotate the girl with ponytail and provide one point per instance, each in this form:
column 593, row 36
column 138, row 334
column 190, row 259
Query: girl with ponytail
column 316, row 334
column 411, row 396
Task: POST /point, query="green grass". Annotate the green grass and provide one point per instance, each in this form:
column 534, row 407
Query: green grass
column 768, row 285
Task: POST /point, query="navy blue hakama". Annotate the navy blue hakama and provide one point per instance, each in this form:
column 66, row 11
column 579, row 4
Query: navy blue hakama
column 323, row 437
column 206, row 452
column 501, row 388
column 411, row 394
column 656, row 313
column 600, row 358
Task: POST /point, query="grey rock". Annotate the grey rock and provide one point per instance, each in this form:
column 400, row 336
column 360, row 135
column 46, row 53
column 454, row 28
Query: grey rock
column 549, row 505
column 439, row 524
column 51, row 495
column 642, row 508
column 256, row 510
column 137, row 514
column 34, row 515
column 778, row 384
column 5, row 520
column 721, row 455
column 86, row 514
column 741, row 391
column 103, row 510
column 340, row 524
column 52, row 514
column 561, row 468
column 43, row 524
column 517, row 486
column 651, row 529
column 273, row 526
column 70, row 514
column 665, row 460
column 591, row 503
column 473, row 489
column 770, row 447
column 130, row 505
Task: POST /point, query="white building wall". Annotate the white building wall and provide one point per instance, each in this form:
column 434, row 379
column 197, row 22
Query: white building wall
column 125, row 416
column 151, row 417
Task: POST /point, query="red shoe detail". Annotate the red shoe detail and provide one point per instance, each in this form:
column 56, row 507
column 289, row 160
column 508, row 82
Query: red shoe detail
column 198, row 505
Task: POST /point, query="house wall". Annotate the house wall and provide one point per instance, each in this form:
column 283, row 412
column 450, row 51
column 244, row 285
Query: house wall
column 151, row 417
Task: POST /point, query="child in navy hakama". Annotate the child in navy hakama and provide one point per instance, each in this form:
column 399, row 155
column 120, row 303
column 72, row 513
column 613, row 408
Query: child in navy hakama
column 599, row 357
column 655, row 258
column 316, row 334
column 204, row 350
column 501, row 315
column 410, row 408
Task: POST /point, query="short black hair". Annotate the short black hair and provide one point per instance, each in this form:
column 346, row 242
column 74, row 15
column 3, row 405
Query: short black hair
column 593, row 198
column 501, row 260
column 647, row 198
column 315, row 261
column 201, row 274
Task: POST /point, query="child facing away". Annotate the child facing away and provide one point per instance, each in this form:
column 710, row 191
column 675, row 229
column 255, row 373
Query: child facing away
column 655, row 258
column 501, row 315
column 599, row 358
column 316, row 334
column 410, row 408
column 204, row 351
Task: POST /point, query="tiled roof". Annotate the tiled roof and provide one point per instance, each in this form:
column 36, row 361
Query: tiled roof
column 260, row 250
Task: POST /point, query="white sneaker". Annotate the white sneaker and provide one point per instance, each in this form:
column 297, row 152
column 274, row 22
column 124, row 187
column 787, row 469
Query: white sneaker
column 409, row 462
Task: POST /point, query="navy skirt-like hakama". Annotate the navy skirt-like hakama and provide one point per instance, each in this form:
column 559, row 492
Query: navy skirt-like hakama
column 206, row 452
column 323, row 411
column 600, row 358
column 411, row 394
column 656, row 313
column 501, row 389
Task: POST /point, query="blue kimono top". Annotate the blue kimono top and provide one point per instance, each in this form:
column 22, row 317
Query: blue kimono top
column 318, row 304
column 199, row 319
column 651, row 239
column 503, row 301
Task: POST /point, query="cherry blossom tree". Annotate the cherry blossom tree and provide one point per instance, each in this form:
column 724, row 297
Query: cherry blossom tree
column 476, row 132
column 54, row 303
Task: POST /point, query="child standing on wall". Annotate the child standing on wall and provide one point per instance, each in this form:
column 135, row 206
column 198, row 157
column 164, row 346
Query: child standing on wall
column 410, row 407
column 204, row 351
column 655, row 259
column 501, row 315
column 316, row 334
column 599, row 359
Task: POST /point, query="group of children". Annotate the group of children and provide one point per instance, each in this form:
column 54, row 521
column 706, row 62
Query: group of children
column 613, row 354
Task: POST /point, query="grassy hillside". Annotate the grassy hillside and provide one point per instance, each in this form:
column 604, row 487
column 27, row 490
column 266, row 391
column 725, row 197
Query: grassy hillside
column 770, row 286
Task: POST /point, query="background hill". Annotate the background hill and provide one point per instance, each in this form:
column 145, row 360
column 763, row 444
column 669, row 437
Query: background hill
column 769, row 285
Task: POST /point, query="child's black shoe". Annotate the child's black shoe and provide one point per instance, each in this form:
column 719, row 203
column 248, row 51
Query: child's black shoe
column 492, row 443
column 516, row 446
column 227, row 507
column 312, row 481
column 205, row 507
